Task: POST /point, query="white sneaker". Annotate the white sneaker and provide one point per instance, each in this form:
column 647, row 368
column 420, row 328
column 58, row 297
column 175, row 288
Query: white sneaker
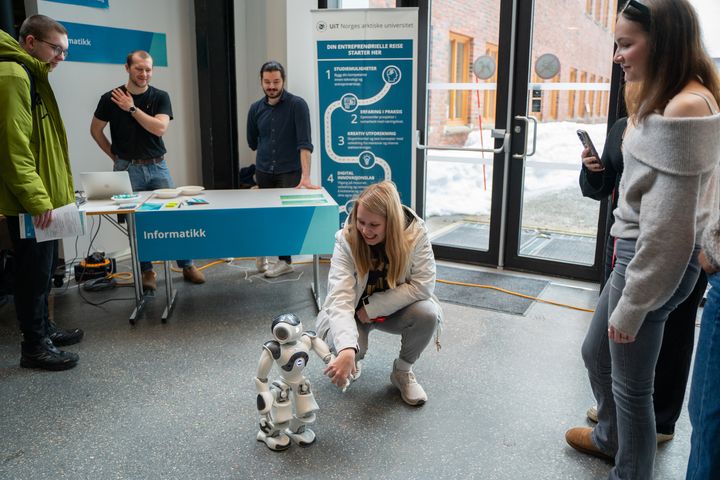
column 592, row 414
column 262, row 264
column 358, row 371
column 281, row 267
column 411, row 392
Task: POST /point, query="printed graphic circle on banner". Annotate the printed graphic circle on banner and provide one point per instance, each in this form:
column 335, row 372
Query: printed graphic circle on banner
column 349, row 102
column 366, row 160
column 391, row 74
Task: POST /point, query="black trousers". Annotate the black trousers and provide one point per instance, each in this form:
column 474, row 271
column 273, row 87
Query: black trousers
column 278, row 180
column 673, row 365
column 33, row 273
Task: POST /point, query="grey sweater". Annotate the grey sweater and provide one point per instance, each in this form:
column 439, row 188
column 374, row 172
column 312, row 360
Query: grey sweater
column 668, row 195
column 711, row 244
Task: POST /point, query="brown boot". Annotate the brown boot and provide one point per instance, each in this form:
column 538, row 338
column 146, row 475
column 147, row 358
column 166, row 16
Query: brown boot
column 149, row 281
column 580, row 438
column 192, row 274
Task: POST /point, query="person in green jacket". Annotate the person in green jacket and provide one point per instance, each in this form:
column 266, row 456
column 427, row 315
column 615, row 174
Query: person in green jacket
column 35, row 178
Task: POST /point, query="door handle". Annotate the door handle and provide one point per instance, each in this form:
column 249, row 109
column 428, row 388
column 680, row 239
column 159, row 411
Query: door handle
column 527, row 121
column 496, row 133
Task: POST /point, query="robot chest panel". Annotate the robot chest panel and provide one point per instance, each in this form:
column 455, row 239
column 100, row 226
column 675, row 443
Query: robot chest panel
column 293, row 360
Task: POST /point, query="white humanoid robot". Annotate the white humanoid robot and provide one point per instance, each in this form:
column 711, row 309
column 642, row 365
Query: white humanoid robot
column 290, row 349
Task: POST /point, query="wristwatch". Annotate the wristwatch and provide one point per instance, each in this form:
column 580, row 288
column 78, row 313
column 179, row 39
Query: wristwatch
column 132, row 109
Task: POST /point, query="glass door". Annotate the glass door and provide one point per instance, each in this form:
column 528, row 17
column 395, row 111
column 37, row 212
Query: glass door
column 462, row 123
column 509, row 83
column 562, row 86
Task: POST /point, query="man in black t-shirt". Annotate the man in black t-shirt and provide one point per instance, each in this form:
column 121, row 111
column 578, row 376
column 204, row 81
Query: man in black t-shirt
column 139, row 115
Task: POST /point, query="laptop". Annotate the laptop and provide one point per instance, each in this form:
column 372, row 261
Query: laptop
column 103, row 185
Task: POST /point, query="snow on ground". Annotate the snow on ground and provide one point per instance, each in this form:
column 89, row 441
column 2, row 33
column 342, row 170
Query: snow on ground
column 460, row 183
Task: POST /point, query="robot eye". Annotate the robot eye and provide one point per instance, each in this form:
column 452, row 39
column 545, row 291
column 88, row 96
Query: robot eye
column 281, row 333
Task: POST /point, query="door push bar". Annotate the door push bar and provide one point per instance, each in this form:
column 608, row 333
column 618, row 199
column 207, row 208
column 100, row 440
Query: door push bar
column 517, row 129
column 496, row 133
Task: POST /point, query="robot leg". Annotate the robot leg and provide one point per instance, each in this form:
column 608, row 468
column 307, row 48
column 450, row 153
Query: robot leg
column 272, row 424
column 305, row 408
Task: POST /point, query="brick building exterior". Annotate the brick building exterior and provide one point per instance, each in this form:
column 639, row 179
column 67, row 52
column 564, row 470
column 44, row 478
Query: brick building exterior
column 578, row 32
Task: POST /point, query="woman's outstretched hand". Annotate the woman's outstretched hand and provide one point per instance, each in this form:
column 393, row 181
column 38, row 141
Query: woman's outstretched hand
column 341, row 367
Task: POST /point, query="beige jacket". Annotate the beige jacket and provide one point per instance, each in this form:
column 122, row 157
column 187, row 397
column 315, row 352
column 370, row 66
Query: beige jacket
column 337, row 317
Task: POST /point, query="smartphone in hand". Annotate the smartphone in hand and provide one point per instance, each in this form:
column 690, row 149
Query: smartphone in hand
column 587, row 143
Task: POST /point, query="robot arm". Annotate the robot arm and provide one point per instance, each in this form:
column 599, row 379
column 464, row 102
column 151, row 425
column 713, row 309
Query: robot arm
column 264, row 397
column 319, row 346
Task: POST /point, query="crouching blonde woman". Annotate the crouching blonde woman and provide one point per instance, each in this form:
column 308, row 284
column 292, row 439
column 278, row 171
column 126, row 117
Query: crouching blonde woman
column 382, row 277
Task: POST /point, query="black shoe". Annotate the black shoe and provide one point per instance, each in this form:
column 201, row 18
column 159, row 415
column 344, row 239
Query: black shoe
column 46, row 356
column 61, row 338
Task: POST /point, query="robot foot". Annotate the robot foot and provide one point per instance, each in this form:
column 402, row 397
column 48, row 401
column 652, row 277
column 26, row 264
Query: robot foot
column 277, row 443
column 304, row 437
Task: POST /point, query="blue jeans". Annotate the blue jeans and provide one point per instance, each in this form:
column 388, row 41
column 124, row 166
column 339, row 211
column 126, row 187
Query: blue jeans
column 704, row 404
column 146, row 178
column 622, row 374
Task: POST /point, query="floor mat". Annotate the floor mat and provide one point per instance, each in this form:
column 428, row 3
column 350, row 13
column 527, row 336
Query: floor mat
column 487, row 298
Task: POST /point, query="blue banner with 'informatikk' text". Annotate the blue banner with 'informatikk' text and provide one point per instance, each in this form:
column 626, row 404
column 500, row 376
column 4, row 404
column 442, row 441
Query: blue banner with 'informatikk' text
column 98, row 44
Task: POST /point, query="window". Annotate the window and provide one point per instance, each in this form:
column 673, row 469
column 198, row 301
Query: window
column 605, row 13
column 612, row 13
column 554, row 99
column 598, row 99
column 571, row 94
column 459, row 102
column 581, row 95
column 591, row 97
column 490, row 96
column 605, row 97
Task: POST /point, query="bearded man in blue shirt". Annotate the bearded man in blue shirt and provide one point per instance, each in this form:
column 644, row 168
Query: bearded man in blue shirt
column 278, row 129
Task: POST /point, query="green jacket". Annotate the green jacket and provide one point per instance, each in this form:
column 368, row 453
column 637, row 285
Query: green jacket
column 35, row 174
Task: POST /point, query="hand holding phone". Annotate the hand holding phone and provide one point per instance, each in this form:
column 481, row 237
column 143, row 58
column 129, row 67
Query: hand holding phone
column 587, row 143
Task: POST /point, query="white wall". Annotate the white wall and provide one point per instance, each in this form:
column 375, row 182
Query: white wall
column 301, row 68
column 278, row 30
column 78, row 87
column 709, row 14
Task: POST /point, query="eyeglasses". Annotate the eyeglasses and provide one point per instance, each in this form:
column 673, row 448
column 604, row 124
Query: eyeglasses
column 57, row 49
column 643, row 9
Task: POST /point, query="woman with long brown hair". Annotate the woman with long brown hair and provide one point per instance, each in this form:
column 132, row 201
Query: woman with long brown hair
column 668, row 194
column 382, row 277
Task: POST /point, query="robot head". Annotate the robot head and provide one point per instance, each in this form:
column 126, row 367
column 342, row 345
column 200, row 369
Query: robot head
column 286, row 328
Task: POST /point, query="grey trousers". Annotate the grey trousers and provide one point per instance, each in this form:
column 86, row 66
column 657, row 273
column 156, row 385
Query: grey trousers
column 622, row 374
column 416, row 325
